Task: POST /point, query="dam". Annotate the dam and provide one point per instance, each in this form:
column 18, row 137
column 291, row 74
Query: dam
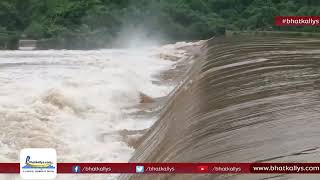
column 242, row 100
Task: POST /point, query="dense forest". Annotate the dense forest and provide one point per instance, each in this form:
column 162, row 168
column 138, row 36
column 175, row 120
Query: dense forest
column 103, row 23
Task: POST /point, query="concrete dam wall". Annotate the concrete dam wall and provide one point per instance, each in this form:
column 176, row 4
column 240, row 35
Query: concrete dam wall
column 242, row 100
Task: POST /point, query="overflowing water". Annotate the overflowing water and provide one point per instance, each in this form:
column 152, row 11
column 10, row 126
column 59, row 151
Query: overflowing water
column 245, row 99
column 74, row 101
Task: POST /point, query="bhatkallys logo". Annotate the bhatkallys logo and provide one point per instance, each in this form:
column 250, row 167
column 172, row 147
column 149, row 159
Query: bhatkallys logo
column 38, row 163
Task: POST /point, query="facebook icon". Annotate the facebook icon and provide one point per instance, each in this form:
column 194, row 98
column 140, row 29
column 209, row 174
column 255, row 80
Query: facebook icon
column 76, row 169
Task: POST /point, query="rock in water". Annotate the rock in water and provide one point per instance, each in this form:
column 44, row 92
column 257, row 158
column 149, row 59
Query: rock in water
column 145, row 98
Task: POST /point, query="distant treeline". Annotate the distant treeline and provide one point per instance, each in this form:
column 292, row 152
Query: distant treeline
column 101, row 23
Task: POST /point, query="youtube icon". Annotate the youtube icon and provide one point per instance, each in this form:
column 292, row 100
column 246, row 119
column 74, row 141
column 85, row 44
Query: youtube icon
column 202, row 169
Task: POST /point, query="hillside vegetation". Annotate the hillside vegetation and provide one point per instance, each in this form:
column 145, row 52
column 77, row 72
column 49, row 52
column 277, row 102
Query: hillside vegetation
column 103, row 23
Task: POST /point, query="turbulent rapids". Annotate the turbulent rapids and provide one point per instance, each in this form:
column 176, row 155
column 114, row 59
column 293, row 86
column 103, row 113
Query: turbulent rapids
column 78, row 102
column 236, row 100
column 243, row 100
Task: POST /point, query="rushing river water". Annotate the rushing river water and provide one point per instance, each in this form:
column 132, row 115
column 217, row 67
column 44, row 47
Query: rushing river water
column 242, row 100
column 74, row 101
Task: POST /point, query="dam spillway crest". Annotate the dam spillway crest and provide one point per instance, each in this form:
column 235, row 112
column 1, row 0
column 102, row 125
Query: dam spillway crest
column 242, row 100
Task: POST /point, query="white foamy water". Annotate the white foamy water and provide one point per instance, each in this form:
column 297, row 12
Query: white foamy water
column 74, row 101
